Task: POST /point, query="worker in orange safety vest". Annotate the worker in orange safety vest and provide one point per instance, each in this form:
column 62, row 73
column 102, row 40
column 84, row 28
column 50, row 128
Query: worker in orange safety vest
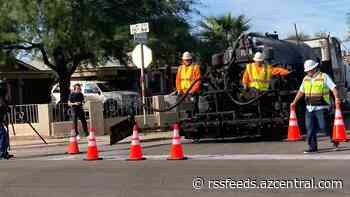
column 258, row 75
column 186, row 75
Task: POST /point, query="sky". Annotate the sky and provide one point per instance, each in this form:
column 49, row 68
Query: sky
column 310, row 16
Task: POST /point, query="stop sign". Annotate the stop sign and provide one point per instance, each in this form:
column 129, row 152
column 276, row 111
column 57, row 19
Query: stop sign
column 147, row 56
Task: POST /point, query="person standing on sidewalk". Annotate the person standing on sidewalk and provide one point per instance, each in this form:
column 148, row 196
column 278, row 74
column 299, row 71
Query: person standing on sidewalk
column 315, row 87
column 5, row 96
column 75, row 101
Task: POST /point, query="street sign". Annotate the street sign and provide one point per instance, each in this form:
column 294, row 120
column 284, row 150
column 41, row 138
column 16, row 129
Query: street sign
column 139, row 28
column 141, row 38
column 137, row 56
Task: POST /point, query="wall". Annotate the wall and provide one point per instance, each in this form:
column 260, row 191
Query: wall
column 46, row 126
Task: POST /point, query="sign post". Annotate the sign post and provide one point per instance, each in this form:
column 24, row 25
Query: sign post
column 142, row 57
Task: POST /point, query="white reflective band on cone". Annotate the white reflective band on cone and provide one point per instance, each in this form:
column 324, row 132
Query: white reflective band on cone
column 92, row 135
column 135, row 142
column 338, row 113
column 72, row 139
column 176, row 133
column 292, row 114
column 135, row 134
column 293, row 123
column 338, row 122
column 92, row 143
column 176, row 141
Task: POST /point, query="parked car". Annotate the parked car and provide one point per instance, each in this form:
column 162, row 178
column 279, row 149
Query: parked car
column 114, row 99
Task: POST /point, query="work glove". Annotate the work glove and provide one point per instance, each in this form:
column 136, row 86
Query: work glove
column 245, row 88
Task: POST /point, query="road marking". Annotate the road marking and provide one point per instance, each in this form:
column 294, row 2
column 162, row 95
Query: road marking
column 246, row 157
column 214, row 157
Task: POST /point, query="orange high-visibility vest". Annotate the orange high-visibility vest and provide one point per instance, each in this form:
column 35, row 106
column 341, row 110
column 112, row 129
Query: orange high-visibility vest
column 187, row 76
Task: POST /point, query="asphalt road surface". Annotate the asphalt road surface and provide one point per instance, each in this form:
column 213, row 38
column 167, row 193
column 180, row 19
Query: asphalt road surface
column 229, row 168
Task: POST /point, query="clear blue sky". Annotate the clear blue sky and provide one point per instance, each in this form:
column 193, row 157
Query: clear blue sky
column 311, row 16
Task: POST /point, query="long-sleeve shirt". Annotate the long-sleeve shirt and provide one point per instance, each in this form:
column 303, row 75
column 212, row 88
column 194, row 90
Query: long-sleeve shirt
column 274, row 71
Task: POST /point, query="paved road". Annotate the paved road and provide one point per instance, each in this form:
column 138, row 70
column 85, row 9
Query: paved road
column 166, row 178
column 46, row 171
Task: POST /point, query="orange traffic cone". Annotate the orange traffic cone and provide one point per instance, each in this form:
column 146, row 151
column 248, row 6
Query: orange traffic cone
column 176, row 151
column 135, row 148
column 293, row 128
column 73, row 147
column 339, row 131
column 92, row 153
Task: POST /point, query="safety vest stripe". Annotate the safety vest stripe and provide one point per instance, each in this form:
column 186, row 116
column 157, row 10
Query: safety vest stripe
column 315, row 94
column 257, row 80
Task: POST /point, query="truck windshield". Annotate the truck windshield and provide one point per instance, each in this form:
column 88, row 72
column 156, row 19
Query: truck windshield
column 107, row 87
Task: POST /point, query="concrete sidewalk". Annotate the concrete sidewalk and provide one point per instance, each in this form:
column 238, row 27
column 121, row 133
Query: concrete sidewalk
column 18, row 141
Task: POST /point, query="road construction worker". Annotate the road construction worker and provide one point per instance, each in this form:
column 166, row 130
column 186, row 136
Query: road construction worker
column 258, row 75
column 76, row 101
column 315, row 87
column 187, row 74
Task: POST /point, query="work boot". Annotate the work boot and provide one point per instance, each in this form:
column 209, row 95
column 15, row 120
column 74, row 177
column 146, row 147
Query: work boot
column 335, row 146
column 6, row 156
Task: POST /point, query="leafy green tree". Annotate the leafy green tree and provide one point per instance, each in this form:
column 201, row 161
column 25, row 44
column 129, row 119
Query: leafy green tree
column 223, row 29
column 66, row 34
column 218, row 33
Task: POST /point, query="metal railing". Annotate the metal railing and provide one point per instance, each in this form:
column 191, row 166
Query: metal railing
column 23, row 113
column 127, row 107
column 62, row 112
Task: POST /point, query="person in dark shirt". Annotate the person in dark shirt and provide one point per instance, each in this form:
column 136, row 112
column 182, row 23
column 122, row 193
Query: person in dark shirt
column 76, row 100
column 5, row 96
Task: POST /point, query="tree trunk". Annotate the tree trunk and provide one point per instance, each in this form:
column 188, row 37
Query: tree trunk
column 64, row 82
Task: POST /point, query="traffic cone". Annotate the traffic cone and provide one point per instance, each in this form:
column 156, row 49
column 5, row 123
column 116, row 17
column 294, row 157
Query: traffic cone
column 293, row 128
column 176, row 151
column 339, row 131
column 92, row 153
column 135, row 148
column 73, row 147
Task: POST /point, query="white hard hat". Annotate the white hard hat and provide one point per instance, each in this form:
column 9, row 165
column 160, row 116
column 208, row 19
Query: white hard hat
column 309, row 65
column 258, row 57
column 186, row 56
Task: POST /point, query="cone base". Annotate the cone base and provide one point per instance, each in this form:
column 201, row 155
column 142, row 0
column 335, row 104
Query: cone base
column 136, row 159
column 294, row 139
column 77, row 153
column 343, row 140
column 180, row 158
column 94, row 159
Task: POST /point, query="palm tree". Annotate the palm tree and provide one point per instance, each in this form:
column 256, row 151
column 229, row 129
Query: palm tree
column 223, row 29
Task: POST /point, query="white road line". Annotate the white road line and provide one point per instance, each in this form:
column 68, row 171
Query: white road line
column 246, row 157
column 215, row 157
